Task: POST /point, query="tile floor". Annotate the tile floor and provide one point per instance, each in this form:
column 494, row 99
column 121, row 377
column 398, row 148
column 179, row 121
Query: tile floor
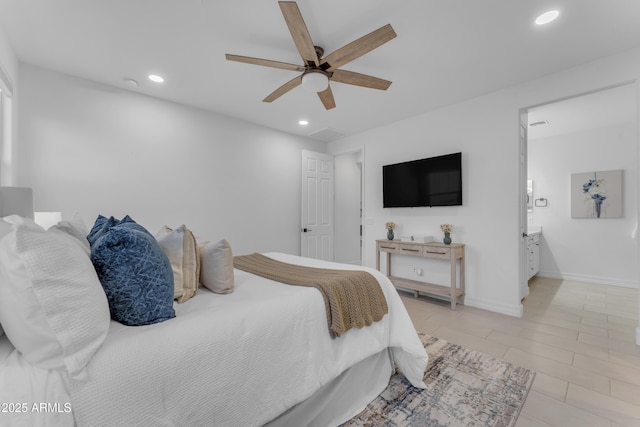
column 578, row 337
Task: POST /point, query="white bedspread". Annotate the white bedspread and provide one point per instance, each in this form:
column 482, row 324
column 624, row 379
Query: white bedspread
column 30, row 396
column 235, row 360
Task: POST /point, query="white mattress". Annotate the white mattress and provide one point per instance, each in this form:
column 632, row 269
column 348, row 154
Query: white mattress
column 236, row 359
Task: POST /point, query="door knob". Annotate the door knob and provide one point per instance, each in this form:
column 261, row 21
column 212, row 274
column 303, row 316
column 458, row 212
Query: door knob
column 304, row 230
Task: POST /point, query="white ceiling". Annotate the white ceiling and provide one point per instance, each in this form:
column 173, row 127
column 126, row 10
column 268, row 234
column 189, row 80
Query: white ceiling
column 446, row 50
column 614, row 106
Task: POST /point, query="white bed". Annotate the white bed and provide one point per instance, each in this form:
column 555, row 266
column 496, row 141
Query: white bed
column 260, row 355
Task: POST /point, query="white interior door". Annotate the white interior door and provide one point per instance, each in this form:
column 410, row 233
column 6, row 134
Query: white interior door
column 317, row 205
column 523, row 288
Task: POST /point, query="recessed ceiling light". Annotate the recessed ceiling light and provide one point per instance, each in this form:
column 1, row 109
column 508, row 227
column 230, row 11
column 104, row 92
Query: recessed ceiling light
column 547, row 17
column 303, row 122
column 130, row 82
column 155, row 78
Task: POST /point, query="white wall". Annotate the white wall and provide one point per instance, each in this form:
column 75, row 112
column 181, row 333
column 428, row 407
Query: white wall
column 485, row 130
column 348, row 176
column 8, row 136
column 593, row 250
column 101, row 150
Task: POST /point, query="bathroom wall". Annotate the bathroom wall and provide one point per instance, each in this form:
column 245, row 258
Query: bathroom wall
column 597, row 250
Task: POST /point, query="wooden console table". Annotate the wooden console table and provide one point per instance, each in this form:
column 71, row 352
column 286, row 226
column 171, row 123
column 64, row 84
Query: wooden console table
column 451, row 253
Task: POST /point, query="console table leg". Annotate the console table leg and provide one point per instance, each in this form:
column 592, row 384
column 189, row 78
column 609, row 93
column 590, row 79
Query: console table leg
column 388, row 263
column 453, row 282
column 462, row 276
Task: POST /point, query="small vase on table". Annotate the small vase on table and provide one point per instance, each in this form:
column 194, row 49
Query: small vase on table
column 446, row 229
column 390, row 226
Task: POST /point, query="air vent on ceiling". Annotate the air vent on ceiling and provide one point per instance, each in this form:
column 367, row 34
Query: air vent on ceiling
column 327, row 135
column 539, row 123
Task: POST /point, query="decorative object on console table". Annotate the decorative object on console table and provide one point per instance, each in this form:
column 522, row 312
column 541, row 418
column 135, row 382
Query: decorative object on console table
column 447, row 239
column 446, row 229
column 390, row 226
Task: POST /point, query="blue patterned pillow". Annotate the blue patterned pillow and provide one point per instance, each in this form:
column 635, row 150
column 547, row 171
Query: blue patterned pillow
column 134, row 271
column 102, row 225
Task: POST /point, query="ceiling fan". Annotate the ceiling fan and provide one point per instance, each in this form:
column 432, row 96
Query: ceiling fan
column 318, row 70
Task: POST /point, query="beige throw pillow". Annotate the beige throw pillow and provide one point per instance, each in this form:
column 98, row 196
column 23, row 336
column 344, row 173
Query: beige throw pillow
column 180, row 247
column 216, row 267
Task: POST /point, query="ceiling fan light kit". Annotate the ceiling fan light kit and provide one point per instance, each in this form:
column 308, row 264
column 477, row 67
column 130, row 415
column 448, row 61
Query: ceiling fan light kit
column 315, row 81
column 318, row 70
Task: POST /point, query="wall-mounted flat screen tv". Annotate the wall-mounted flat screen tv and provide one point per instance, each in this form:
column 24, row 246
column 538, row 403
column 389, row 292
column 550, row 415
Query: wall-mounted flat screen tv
column 434, row 181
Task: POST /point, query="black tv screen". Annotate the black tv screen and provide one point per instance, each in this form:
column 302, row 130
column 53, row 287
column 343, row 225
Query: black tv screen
column 434, row 181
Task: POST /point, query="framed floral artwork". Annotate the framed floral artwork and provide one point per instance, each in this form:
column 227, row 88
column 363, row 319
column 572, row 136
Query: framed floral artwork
column 596, row 194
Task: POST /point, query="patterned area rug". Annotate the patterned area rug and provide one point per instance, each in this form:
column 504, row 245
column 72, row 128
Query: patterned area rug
column 464, row 388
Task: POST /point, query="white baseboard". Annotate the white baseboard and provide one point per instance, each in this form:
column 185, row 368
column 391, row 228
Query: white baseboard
column 509, row 310
column 590, row 279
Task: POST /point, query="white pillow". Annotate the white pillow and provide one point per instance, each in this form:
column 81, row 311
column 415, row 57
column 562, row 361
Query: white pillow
column 76, row 228
column 216, row 267
column 52, row 306
column 180, row 247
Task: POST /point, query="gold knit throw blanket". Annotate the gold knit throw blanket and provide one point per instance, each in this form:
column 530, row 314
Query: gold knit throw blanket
column 352, row 298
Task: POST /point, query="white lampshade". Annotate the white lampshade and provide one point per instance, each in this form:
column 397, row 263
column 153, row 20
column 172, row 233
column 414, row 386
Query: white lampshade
column 315, row 81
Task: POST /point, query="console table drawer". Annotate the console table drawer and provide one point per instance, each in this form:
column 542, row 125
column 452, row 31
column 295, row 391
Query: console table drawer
column 443, row 253
column 388, row 247
column 414, row 250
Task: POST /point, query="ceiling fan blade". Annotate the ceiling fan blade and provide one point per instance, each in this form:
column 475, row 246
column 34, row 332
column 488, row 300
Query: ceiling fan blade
column 293, row 83
column 326, row 96
column 352, row 78
column 264, row 62
column 299, row 31
column 359, row 47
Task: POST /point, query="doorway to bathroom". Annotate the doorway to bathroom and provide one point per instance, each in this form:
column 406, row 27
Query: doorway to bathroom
column 587, row 134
